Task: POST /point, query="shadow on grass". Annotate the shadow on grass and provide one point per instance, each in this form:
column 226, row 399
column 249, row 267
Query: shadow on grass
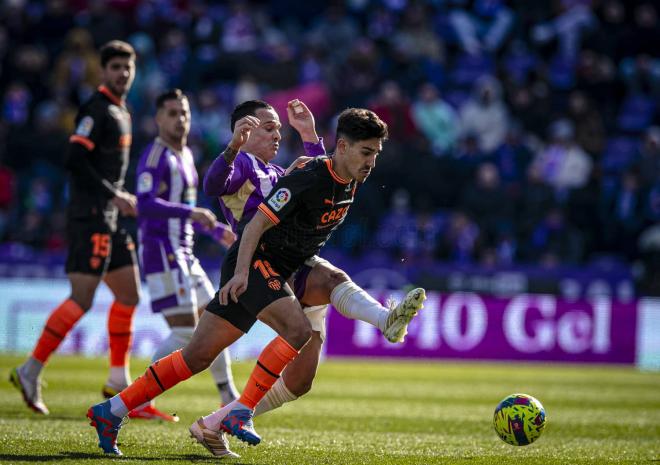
column 97, row 456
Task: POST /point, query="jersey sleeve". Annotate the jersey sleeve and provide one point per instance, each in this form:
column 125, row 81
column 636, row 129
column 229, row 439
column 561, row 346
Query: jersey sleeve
column 150, row 177
column 89, row 124
column 224, row 178
column 289, row 192
column 314, row 149
column 85, row 138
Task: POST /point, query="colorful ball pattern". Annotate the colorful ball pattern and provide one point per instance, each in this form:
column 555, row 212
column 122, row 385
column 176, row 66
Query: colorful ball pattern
column 519, row 419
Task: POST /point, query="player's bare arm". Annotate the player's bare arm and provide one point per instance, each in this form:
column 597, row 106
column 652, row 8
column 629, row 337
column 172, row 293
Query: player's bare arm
column 203, row 216
column 302, row 120
column 258, row 225
column 298, row 163
column 126, row 203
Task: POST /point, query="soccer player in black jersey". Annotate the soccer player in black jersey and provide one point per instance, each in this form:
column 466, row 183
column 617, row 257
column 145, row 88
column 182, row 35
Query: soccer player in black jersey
column 292, row 224
column 98, row 156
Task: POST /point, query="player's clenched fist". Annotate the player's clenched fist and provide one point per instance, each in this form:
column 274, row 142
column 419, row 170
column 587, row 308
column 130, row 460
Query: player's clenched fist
column 233, row 288
column 242, row 130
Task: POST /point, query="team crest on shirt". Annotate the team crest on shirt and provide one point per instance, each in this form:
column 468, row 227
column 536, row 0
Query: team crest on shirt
column 145, row 183
column 279, row 199
column 85, row 126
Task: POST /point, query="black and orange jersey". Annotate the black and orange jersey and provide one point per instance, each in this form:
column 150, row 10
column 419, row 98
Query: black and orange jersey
column 98, row 156
column 306, row 207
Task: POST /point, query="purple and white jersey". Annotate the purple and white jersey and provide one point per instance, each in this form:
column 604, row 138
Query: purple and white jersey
column 166, row 193
column 244, row 184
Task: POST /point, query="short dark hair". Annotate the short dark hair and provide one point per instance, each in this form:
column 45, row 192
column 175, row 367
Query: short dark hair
column 171, row 94
column 116, row 48
column 356, row 124
column 247, row 108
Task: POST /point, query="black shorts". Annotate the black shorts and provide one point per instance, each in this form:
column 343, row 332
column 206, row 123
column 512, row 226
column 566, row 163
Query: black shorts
column 94, row 249
column 266, row 284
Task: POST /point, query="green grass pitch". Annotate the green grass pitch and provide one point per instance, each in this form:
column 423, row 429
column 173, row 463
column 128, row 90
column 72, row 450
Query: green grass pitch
column 359, row 412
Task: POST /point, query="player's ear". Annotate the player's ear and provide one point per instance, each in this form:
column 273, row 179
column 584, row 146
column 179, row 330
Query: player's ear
column 342, row 145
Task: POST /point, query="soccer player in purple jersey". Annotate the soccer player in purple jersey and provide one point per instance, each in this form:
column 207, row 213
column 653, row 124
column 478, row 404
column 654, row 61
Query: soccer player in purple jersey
column 167, row 218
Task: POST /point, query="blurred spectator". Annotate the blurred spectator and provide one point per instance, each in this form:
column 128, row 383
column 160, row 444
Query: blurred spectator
column 512, row 159
column 485, row 114
column 460, row 242
column 7, row 196
column 481, row 25
column 77, row 70
column 640, row 68
column 239, row 33
column 396, row 231
column 553, row 241
column 436, row 119
column 588, row 123
column 648, row 157
column 486, row 201
column 393, row 108
column 563, row 164
column 570, row 22
column 537, row 199
column 624, row 215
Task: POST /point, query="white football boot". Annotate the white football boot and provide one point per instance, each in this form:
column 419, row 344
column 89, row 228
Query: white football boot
column 400, row 315
column 215, row 441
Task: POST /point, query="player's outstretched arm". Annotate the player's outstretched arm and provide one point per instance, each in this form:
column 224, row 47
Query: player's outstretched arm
column 302, row 120
column 259, row 224
column 222, row 177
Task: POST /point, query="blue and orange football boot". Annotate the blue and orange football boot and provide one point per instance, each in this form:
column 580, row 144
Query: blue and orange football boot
column 238, row 422
column 107, row 427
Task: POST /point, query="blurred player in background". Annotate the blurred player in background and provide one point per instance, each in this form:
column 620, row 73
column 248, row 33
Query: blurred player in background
column 98, row 249
column 304, row 209
column 167, row 218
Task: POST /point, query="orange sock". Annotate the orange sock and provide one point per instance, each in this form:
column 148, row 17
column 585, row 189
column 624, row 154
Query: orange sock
column 120, row 332
column 59, row 323
column 159, row 377
column 272, row 360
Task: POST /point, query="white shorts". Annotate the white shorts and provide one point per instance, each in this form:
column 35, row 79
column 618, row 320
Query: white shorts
column 181, row 289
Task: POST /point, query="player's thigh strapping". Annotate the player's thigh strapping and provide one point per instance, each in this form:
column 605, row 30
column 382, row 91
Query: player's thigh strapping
column 316, row 314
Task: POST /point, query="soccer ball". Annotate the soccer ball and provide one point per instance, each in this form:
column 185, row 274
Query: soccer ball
column 519, row 419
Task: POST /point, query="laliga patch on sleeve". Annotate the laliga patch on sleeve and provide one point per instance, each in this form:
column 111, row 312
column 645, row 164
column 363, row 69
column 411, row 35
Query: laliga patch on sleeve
column 85, row 126
column 145, row 183
column 279, row 199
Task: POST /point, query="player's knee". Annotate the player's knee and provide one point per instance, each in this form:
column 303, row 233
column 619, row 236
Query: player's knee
column 197, row 360
column 298, row 335
column 130, row 299
column 84, row 301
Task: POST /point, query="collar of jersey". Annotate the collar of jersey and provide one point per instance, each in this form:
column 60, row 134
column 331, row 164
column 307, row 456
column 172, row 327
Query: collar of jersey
column 335, row 176
column 165, row 144
column 112, row 97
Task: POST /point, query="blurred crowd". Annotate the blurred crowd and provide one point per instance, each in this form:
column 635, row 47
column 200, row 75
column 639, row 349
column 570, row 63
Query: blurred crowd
column 520, row 132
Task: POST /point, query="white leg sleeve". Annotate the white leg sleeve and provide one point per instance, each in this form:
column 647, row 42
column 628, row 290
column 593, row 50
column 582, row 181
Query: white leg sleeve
column 278, row 395
column 353, row 302
column 179, row 337
column 221, row 372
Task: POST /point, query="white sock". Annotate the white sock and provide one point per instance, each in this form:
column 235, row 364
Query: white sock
column 119, row 378
column 221, row 372
column 117, row 407
column 212, row 421
column 353, row 302
column 278, row 395
column 179, row 336
column 31, row 369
